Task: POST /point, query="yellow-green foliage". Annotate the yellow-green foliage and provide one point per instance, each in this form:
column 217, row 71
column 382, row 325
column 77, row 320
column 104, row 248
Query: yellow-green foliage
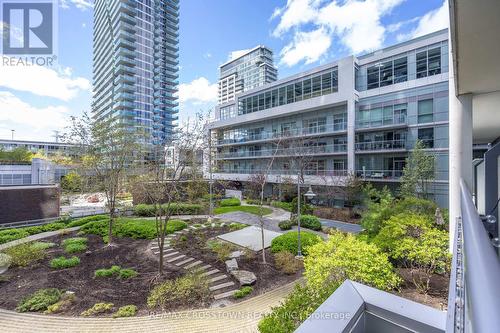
column 98, row 308
column 125, row 311
column 65, row 302
column 25, row 254
column 286, row 262
column 39, row 300
column 346, row 257
column 222, row 249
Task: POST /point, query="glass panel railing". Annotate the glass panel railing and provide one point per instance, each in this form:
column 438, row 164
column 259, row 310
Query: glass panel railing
column 381, row 145
column 297, row 151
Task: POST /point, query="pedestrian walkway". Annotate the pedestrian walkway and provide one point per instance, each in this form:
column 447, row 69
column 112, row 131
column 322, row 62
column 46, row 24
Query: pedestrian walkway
column 238, row 317
column 342, row 226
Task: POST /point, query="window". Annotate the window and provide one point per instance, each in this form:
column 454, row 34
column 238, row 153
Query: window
column 425, row 114
column 315, row 125
column 386, row 73
column 307, row 88
column 289, row 94
column 326, row 84
column 400, row 70
column 339, row 122
column 429, row 62
column 282, row 97
column 298, row 91
column 373, row 77
column 426, row 135
column 316, row 86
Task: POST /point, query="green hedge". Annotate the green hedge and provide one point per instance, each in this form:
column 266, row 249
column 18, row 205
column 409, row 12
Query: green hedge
column 310, row 222
column 8, row 235
column 175, row 208
column 283, row 205
column 289, row 242
column 230, row 202
column 84, row 220
column 133, row 228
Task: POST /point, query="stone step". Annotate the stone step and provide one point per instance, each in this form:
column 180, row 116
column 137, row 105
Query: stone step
column 193, row 264
column 225, row 294
column 221, row 286
column 178, row 232
column 170, row 254
column 188, row 260
column 192, row 227
column 213, row 271
column 217, row 278
column 176, row 258
column 165, row 250
column 202, row 268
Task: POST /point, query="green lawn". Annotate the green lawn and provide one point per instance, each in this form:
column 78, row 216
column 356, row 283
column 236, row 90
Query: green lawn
column 247, row 209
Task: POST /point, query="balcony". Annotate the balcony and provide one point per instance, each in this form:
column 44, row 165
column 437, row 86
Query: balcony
column 379, row 174
column 286, row 152
column 400, row 121
column 380, row 145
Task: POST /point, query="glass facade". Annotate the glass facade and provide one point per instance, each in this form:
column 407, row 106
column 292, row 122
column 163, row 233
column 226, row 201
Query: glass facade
column 136, row 66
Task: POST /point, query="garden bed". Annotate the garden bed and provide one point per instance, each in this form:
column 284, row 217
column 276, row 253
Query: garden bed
column 128, row 253
column 194, row 245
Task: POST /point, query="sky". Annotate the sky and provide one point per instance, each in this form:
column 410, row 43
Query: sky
column 36, row 101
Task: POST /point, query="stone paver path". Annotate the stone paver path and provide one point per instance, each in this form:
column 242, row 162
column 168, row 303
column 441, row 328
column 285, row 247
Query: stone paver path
column 220, row 284
column 239, row 317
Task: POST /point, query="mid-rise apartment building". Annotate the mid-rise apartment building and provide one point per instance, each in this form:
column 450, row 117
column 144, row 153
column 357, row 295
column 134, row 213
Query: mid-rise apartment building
column 136, row 65
column 357, row 115
column 250, row 70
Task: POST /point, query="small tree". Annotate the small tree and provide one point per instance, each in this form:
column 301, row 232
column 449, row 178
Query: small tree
column 72, row 182
column 418, row 172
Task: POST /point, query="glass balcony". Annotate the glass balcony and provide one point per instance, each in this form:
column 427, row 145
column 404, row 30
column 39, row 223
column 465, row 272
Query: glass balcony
column 283, row 172
column 396, row 120
column 283, row 152
column 381, row 145
column 379, row 174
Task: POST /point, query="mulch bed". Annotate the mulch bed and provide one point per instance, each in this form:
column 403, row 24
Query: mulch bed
column 268, row 276
column 437, row 296
column 129, row 253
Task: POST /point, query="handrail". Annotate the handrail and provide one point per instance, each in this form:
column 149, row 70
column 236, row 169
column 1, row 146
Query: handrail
column 482, row 270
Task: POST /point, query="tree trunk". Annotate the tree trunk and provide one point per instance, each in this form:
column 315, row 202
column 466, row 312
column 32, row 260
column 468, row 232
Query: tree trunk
column 261, row 220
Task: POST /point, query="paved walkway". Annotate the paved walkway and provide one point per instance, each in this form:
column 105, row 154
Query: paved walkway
column 342, row 226
column 239, row 317
column 36, row 237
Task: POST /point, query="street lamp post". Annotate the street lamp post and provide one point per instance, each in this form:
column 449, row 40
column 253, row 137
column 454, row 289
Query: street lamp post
column 309, row 195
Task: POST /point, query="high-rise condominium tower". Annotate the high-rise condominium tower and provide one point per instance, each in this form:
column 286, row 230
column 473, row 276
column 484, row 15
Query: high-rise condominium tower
column 252, row 69
column 135, row 65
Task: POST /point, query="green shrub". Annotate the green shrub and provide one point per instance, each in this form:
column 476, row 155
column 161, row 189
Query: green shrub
column 98, row 308
column 305, row 209
column 25, row 254
column 133, row 228
column 144, row 210
column 222, row 249
column 127, row 273
column 40, row 300
column 188, row 289
column 9, row 235
column 296, row 307
column 254, row 201
column 283, row 205
column 125, row 311
column 289, row 242
column 44, row 228
column 85, row 220
column 107, row 272
column 175, row 209
column 237, row 226
column 63, row 262
column 310, row 222
column 72, row 182
column 346, row 257
column 64, row 303
column 73, row 245
column 412, row 241
column 247, row 209
column 244, row 291
column 286, row 262
column 286, row 225
column 42, row 245
column 230, row 202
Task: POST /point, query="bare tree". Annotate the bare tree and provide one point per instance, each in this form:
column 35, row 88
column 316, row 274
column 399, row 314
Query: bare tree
column 162, row 185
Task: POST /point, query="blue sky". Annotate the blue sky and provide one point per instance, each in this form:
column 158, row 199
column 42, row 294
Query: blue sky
column 302, row 33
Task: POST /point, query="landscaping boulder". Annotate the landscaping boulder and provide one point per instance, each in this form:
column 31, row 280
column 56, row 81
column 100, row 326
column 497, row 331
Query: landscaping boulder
column 245, row 278
column 5, row 261
column 231, row 265
column 236, row 254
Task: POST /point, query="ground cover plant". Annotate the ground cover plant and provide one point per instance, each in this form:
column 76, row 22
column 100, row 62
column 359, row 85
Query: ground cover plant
column 125, row 311
column 246, row 209
column 25, row 254
column 175, row 207
column 63, row 262
column 230, row 202
column 8, row 235
column 244, row 291
column 39, row 300
column 98, row 308
column 73, row 245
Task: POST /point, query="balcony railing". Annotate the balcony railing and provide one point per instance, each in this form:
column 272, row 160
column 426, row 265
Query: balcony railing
column 379, row 174
column 381, row 145
column 291, row 133
column 326, row 149
column 396, row 120
column 322, row 173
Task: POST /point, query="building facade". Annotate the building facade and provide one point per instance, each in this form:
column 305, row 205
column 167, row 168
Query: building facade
column 44, row 147
column 250, row 70
column 358, row 115
column 135, row 65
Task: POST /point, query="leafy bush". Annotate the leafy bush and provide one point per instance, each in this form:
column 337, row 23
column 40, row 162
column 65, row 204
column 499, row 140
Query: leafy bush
column 187, row 289
column 411, row 240
column 286, row 262
column 127, row 273
column 244, row 291
column 25, row 254
column 44, row 228
column 73, row 245
column 289, row 242
column 305, row 209
column 296, row 307
column 98, row 308
column 253, row 201
column 85, row 220
column 133, row 228
column 64, row 303
column 125, row 311
column 72, row 182
column 230, row 202
column 9, row 235
column 63, row 262
column 175, row 209
column 107, row 272
column 346, row 257
column 222, row 249
column 40, row 300
column 283, row 205
column 310, row 222
column 42, row 245
column 286, row 225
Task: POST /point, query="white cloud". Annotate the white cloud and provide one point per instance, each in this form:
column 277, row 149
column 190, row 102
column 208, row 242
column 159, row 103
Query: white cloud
column 357, row 25
column 307, row 46
column 80, row 4
column 198, row 91
column 432, row 21
column 207, row 55
column 17, row 112
column 43, row 81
